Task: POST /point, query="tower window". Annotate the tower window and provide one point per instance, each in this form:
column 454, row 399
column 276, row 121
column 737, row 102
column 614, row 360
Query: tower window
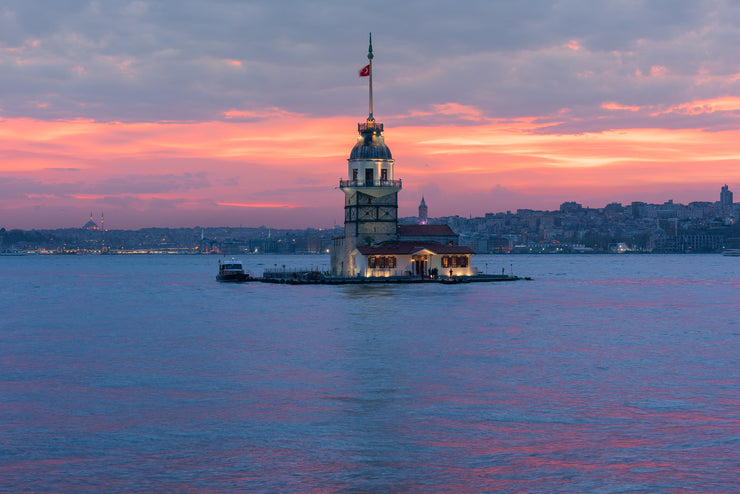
column 384, row 174
column 354, row 174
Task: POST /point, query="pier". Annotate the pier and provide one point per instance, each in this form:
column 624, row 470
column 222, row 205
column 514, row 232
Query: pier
column 313, row 277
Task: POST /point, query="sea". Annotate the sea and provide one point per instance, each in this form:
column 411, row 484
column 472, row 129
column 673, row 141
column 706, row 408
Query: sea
column 601, row 374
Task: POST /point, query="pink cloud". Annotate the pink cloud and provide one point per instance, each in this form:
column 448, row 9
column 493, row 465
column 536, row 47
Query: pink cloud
column 285, row 166
column 466, row 112
column 617, row 106
column 723, row 104
column 257, row 205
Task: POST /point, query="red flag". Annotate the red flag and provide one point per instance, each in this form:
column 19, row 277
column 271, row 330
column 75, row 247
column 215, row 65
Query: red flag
column 365, row 71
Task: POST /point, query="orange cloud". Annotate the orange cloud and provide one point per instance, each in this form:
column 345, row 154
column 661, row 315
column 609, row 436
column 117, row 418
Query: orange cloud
column 617, row 106
column 266, row 163
column 261, row 114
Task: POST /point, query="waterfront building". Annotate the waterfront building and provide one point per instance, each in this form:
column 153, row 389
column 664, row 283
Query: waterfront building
column 373, row 244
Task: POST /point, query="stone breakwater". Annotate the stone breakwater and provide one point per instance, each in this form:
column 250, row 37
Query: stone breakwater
column 315, row 278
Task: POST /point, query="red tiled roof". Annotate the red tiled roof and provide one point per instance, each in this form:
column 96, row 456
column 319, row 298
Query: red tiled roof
column 408, row 248
column 425, row 230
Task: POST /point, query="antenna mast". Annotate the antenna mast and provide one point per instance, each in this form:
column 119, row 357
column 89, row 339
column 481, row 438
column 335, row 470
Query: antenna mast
column 370, row 58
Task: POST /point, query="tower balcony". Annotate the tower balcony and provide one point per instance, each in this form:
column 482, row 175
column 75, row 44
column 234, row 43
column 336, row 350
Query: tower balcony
column 375, row 188
column 393, row 184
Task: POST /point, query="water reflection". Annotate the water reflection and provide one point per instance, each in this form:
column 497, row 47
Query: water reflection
column 357, row 292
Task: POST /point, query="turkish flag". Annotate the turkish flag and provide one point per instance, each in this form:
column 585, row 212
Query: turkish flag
column 365, row 71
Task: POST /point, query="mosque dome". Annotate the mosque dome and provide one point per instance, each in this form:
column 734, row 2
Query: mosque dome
column 371, row 144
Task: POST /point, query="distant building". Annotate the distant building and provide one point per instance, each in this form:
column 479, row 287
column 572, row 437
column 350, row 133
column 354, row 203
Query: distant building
column 725, row 198
column 570, row 207
column 91, row 225
column 423, row 212
column 639, row 209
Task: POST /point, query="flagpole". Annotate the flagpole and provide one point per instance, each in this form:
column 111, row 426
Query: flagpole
column 370, row 58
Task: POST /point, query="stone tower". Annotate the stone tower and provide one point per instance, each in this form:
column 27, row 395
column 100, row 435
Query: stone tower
column 423, row 212
column 370, row 192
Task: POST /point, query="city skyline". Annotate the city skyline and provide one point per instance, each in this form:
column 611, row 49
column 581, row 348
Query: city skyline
column 725, row 209
column 233, row 113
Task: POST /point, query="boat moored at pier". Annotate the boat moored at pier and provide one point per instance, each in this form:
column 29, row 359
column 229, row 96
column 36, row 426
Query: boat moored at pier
column 232, row 272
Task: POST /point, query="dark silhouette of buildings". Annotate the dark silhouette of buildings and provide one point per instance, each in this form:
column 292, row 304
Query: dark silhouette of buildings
column 639, row 227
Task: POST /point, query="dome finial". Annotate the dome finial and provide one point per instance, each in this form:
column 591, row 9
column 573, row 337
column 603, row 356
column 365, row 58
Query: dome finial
column 370, row 49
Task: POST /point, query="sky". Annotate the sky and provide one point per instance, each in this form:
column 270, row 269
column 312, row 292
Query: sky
column 184, row 113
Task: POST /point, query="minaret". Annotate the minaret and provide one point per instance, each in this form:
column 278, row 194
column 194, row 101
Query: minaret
column 423, row 212
column 370, row 190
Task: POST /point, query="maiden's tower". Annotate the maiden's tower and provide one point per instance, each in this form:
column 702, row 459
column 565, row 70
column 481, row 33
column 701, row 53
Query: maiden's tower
column 373, row 244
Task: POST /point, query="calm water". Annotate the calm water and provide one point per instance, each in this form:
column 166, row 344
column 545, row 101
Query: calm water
column 604, row 374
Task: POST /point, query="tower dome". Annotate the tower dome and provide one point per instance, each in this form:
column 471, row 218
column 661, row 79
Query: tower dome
column 370, row 143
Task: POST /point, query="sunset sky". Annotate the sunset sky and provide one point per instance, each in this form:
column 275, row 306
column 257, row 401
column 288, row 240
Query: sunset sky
column 230, row 112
